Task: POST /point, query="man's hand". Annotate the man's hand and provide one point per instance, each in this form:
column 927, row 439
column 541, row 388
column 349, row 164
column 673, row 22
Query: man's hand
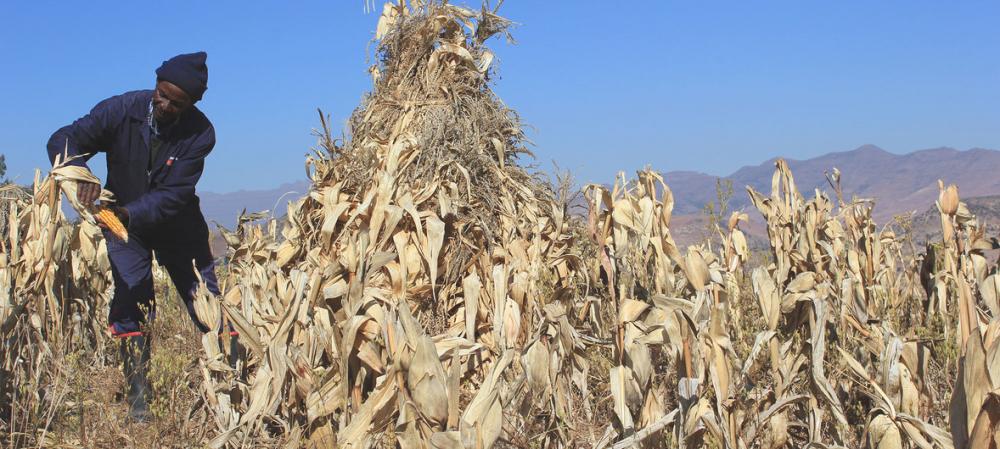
column 88, row 192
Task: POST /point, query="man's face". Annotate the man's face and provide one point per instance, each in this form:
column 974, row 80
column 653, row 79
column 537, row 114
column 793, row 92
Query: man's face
column 169, row 102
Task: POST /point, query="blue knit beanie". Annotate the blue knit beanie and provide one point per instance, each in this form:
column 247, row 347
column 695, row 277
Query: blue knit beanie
column 188, row 72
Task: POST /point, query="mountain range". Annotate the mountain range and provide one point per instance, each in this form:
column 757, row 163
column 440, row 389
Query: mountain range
column 899, row 183
column 225, row 208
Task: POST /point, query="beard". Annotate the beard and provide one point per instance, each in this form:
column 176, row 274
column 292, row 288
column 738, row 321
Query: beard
column 162, row 117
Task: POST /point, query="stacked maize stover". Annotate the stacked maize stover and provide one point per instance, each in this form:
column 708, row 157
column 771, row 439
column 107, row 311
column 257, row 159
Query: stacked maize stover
column 422, row 267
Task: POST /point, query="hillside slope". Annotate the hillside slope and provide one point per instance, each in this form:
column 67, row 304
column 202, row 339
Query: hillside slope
column 898, row 183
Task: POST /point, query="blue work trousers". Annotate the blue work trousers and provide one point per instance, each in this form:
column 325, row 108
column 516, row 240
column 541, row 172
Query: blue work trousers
column 134, row 304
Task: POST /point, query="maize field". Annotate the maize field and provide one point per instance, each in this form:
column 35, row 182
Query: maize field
column 431, row 292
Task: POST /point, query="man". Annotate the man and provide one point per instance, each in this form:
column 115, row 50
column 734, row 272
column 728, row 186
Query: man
column 156, row 142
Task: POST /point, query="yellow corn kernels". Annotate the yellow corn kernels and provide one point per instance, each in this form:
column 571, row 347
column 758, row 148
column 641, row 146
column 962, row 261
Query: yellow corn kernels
column 107, row 217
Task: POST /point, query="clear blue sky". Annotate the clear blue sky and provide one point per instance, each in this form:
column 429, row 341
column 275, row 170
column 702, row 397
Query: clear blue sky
column 605, row 86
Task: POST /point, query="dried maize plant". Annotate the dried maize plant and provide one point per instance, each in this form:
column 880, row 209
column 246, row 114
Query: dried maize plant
column 11, row 193
column 67, row 177
column 734, row 253
column 796, row 287
column 629, row 225
column 965, row 279
column 630, row 213
column 680, row 308
column 838, row 275
column 748, row 411
column 54, row 292
column 424, row 288
column 666, row 304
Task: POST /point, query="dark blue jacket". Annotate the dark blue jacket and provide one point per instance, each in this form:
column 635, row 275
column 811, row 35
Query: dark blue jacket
column 160, row 201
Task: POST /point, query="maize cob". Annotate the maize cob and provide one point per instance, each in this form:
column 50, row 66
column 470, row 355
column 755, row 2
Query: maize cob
column 108, row 218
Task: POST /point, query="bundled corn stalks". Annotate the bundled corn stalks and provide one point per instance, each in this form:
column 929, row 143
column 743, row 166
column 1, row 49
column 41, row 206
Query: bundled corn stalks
column 422, row 294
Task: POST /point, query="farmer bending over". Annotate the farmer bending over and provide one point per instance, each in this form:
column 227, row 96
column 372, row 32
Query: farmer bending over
column 156, row 142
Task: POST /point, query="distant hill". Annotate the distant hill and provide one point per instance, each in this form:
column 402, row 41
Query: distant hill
column 224, row 208
column 927, row 224
column 898, row 182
